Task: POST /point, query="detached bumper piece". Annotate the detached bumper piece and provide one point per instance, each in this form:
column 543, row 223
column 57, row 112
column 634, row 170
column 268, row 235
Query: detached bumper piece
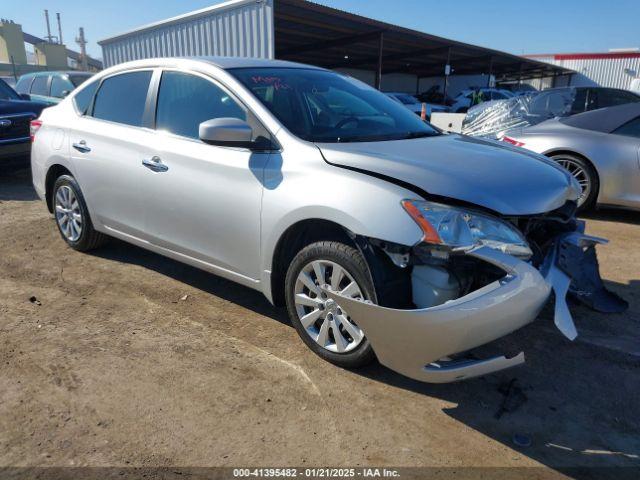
column 412, row 342
column 572, row 269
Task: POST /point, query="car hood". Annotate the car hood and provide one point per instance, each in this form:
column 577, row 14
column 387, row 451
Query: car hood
column 499, row 177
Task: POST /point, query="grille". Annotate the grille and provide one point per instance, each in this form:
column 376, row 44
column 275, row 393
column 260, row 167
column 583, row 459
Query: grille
column 19, row 127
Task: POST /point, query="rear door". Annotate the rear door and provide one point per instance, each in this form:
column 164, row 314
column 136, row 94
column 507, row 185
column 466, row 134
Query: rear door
column 108, row 145
column 204, row 202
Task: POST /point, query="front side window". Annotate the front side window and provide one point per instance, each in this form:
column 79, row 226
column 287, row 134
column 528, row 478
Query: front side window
column 186, row 100
column 122, row 98
column 60, row 87
column 407, row 99
column 39, row 86
column 630, row 129
column 322, row 106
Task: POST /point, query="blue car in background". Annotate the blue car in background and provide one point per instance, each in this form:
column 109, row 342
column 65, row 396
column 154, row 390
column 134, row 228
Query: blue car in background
column 16, row 113
column 51, row 87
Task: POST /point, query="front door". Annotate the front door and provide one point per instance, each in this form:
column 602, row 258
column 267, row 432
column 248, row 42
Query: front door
column 203, row 201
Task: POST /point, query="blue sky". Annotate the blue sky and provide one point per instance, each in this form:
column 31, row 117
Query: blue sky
column 540, row 26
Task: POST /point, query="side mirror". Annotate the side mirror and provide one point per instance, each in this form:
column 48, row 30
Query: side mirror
column 25, row 96
column 227, row 132
column 65, row 93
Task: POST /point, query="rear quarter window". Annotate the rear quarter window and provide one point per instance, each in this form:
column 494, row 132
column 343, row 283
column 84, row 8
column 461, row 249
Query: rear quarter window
column 24, row 84
column 82, row 100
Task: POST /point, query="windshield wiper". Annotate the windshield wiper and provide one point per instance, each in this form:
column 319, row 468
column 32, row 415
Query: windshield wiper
column 411, row 135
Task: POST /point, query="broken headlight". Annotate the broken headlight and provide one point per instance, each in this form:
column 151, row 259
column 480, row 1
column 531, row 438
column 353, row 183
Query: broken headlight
column 458, row 228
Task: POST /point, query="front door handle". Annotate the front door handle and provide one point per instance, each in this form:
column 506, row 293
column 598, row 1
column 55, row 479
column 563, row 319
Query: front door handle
column 155, row 164
column 81, row 146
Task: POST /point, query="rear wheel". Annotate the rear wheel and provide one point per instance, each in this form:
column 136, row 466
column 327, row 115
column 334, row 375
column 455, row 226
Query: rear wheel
column 584, row 173
column 72, row 216
column 327, row 329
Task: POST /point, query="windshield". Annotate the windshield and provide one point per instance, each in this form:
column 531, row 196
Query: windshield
column 78, row 80
column 321, row 106
column 407, row 99
column 6, row 92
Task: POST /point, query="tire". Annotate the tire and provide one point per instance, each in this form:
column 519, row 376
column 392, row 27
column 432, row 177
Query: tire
column 358, row 351
column 586, row 175
column 72, row 216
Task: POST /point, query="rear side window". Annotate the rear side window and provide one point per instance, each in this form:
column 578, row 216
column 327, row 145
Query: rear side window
column 23, row 84
column 185, row 101
column 630, row 129
column 60, row 85
column 122, row 98
column 82, row 100
column 39, row 86
column 611, row 98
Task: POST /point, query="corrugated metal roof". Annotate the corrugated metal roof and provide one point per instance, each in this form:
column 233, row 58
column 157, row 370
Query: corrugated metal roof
column 240, row 28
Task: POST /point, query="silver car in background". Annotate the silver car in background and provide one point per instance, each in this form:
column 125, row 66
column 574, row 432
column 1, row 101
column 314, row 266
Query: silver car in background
column 383, row 237
column 601, row 149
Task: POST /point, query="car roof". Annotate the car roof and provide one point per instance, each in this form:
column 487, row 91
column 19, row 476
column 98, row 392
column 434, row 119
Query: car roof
column 224, row 63
column 58, row 72
column 604, row 120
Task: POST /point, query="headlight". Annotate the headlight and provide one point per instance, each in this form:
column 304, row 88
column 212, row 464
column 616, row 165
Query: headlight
column 458, row 228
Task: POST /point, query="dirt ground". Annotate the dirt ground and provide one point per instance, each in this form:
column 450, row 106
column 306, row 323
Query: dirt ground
column 125, row 358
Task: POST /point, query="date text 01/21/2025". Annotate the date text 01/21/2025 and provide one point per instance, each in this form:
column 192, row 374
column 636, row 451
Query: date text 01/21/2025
column 315, row 473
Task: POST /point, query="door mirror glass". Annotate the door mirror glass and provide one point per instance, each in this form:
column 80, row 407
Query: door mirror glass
column 226, row 132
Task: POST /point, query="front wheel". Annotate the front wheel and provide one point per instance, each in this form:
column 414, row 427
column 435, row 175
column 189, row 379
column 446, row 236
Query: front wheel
column 327, row 329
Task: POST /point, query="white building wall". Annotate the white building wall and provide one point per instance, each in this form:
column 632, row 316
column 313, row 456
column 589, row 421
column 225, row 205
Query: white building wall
column 602, row 72
column 239, row 28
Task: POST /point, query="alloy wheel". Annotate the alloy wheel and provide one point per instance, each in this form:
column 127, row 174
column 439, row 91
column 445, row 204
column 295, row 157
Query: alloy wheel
column 579, row 173
column 323, row 320
column 68, row 213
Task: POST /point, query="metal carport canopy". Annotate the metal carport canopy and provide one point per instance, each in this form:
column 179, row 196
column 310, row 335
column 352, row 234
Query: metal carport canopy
column 315, row 34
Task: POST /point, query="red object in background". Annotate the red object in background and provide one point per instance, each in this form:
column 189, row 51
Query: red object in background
column 512, row 141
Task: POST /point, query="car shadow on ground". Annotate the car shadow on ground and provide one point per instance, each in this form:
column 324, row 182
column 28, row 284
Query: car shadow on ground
column 610, row 214
column 120, row 251
column 15, row 184
column 573, row 407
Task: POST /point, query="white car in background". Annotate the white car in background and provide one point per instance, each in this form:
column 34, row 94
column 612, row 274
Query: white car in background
column 415, row 105
column 464, row 100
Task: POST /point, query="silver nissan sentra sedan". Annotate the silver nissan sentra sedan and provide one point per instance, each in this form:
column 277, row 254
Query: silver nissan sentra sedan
column 383, row 237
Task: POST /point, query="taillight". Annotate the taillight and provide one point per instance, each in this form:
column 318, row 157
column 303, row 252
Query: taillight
column 33, row 128
column 512, row 141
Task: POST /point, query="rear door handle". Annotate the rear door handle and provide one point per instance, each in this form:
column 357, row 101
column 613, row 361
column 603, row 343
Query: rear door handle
column 81, row 146
column 155, row 164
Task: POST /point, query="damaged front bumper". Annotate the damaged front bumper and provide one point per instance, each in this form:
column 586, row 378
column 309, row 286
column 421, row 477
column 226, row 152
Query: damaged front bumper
column 417, row 343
